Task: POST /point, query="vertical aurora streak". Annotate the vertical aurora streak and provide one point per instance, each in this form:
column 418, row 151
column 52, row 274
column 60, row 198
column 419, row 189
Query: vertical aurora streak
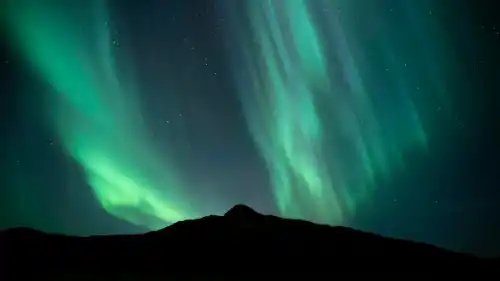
column 330, row 119
column 95, row 109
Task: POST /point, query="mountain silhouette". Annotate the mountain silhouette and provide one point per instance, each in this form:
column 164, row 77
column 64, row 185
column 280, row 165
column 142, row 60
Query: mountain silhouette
column 241, row 241
column 242, row 212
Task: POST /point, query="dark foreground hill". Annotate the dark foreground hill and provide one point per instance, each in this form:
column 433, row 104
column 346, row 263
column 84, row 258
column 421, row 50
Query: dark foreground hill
column 242, row 241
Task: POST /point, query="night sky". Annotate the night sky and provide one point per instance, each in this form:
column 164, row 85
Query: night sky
column 127, row 116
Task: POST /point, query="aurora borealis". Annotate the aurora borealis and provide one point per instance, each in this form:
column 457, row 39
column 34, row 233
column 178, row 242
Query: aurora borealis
column 328, row 111
column 317, row 130
column 95, row 111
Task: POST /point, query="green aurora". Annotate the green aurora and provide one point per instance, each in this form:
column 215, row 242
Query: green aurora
column 95, row 110
column 326, row 142
column 307, row 83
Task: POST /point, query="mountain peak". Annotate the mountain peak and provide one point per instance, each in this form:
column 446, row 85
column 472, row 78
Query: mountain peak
column 241, row 211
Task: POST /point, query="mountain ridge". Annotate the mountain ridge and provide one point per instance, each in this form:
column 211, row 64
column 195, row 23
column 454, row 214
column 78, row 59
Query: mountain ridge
column 242, row 240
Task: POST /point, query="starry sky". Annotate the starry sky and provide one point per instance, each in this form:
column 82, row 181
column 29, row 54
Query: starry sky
column 128, row 116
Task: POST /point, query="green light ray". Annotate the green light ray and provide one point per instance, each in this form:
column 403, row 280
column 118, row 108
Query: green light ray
column 327, row 131
column 95, row 110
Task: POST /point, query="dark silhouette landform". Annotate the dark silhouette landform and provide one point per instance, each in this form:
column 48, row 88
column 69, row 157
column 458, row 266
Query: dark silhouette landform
column 241, row 241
